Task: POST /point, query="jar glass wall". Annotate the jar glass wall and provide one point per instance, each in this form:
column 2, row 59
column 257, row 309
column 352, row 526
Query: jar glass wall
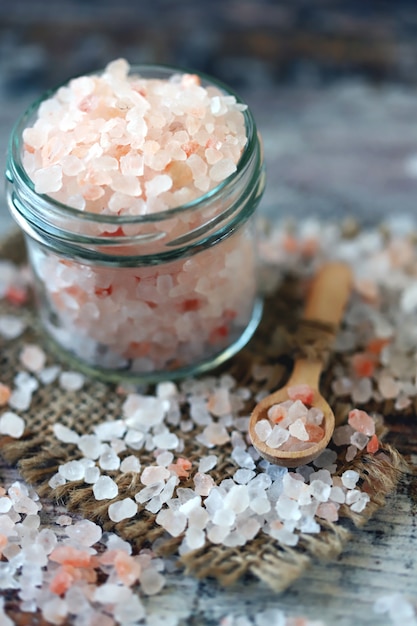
column 145, row 297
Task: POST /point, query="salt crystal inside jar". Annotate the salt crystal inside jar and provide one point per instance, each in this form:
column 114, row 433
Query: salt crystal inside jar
column 136, row 190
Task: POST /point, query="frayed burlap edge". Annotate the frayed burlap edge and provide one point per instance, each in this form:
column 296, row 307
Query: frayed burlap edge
column 38, row 455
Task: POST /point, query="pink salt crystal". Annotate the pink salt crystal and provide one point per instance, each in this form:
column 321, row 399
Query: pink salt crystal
column 5, row 393
column 64, row 520
column 301, row 392
column 328, row 511
column 216, row 434
column 32, row 357
column 361, row 422
column 203, row 484
column 219, row 402
column 154, row 474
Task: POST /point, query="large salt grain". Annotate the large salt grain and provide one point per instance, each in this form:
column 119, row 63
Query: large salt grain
column 12, row 424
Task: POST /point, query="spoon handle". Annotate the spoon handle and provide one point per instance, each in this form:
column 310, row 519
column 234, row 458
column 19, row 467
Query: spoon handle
column 329, row 293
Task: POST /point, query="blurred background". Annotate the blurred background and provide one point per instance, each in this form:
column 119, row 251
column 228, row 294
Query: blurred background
column 332, row 83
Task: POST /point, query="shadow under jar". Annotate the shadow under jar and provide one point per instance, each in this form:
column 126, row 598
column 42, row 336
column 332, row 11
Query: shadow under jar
column 145, row 297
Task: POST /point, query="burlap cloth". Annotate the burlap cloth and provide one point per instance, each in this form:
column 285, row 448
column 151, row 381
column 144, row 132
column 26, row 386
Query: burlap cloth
column 38, row 454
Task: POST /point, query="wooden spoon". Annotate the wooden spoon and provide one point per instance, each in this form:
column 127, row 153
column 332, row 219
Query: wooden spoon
column 326, row 303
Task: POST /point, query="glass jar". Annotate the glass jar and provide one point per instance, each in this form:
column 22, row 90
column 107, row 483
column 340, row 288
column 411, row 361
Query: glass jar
column 147, row 297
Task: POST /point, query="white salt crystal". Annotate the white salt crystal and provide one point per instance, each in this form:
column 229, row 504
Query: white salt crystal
column 122, row 509
column 90, row 446
column 130, row 611
column 337, row 495
column 263, row 429
column 144, row 411
column 105, row 488
column 287, row 508
column 166, row 390
column 134, row 439
column 224, row 517
column 243, row 458
column 149, row 492
column 166, row 440
column 91, row 475
column 73, row 470
column 56, row 481
column 111, row 593
column 47, row 539
column 49, row 374
column 219, row 402
column 350, row 478
column 359, row 505
column 20, row 399
column 12, row 425
column 320, row 490
column 216, row 434
column 108, row 459
column 243, row 476
column 359, row 440
column 195, row 538
column 55, row 610
column 71, row 381
column 11, row 326
column 362, row 391
column 112, row 429
column 198, row 517
column 174, row 522
column 260, row 504
column 85, row 533
column 63, row 520
column 277, row 437
column 207, row 463
column 5, row 504
column 130, row 464
column 164, row 458
column 298, row 430
column 237, row 499
column 154, row 474
column 217, row 534
column 151, row 581
column 65, row 434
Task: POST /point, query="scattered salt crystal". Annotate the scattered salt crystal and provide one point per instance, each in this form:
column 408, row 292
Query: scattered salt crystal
column 362, row 422
column 151, row 581
column 65, row 434
column 49, row 374
column 195, row 538
column 112, row 429
column 166, row 440
column 20, row 399
column 359, row 440
column 342, row 435
column 207, row 463
column 11, row 326
column 243, row 476
column 122, row 509
column 108, row 459
column 85, row 533
column 12, row 425
column 243, row 458
column 174, row 522
column 277, row 437
column 350, row 478
column 91, row 475
column 320, row 490
column 154, row 474
column 56, row 480
column 219, row 402
column 203, row 484
column 263, row 429
column 71, row 381
column 166, row 390
column 64, row 520
column 360, row 504
column 326, row 458
column 130, row 464
column 32, row 357
column 298, row 430
column 105, row 488
column 90, row 446
column 351, row 453
column 216, row 434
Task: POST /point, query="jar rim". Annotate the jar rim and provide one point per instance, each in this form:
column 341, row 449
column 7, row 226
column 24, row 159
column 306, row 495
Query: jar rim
column 16, row 171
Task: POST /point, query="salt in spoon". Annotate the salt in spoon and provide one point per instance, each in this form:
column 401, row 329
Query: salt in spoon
column 326, row 303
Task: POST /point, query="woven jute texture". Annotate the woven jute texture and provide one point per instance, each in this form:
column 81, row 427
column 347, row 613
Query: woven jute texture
column 38, row 454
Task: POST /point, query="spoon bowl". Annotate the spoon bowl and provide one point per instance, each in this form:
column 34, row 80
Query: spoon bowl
column 326, row 303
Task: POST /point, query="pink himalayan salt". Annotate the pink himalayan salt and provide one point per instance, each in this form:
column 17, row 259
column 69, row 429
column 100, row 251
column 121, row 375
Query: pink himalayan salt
column 296, row 425
column 5, row 393
column 301, row 392
column 361, row 422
